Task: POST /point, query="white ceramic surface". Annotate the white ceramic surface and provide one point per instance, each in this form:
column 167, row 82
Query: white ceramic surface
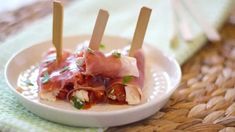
column 163, row 74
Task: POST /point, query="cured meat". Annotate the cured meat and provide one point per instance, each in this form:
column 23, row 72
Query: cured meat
column 130, row 86
column 50, row 81
column 90, row 77
column 56, row 81
column 98, row 64
column 112, row 65
column 139, row 55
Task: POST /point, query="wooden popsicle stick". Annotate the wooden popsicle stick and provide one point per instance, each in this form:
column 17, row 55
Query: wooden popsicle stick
column 98, row 30
column 57, row 38
column 140, row 30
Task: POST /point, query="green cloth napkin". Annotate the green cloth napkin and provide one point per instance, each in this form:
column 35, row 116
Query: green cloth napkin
column 79, row 19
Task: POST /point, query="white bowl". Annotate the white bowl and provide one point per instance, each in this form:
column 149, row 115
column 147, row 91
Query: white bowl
column 163, row 74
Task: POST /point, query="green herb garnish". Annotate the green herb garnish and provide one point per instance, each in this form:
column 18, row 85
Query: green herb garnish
column 116, row 54
column 79, row 62
column 28, row 82
column 50, row 58
column 126, row 79
column 90, row 50
column 64, row 69
column 77, row 103
column 102, row 46
column 45, row 77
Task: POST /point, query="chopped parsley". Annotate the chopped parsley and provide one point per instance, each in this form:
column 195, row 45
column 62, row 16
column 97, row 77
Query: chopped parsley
column 77, row 103
column 80, row 62
column 50, row 58
column 102, row 46
column 28, row 83
column 45, row 77
column 64, row 69
column 90, row 50
column 126, row 79
column 116, row 54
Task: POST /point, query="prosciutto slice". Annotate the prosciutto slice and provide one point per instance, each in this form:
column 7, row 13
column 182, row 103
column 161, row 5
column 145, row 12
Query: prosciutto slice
column 139, row 55
column 131, row 86
column 53, row 77
column 110, row 66
column 57, row 81
column 92, row 77
column 98, row 64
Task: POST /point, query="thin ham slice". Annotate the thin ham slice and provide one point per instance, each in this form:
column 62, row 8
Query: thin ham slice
column 98, row 64
column 59, row 74
column 110, row 66
column 133, row 92
column 93, row 72
column 130, row 92
column 139, row 55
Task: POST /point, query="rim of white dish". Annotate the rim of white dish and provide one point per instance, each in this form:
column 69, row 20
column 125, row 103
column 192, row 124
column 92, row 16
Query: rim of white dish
column 97, row 113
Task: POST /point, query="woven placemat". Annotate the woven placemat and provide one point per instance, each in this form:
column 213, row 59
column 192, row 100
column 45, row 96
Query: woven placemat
column 204, row 101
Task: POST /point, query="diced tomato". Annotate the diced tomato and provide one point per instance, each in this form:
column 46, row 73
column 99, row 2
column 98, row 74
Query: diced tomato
column 62, row 94
column 69, row 86
column 118, row 92
column 87, row 106
column 94, row 81
column 100, row 96
column 97, row 96
column 80, row 79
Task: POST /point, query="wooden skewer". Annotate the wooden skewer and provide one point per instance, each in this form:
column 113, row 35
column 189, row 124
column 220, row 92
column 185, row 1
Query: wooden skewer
column 140, row 30
column 57, row 38
column 98, row 30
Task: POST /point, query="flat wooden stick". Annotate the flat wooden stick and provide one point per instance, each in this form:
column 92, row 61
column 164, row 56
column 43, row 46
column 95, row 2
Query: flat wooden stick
column 140, row 30
column 57, row 38
column 98, row 30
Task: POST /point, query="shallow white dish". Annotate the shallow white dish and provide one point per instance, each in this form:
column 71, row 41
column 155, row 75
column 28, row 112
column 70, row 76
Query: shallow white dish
column 163, row 74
